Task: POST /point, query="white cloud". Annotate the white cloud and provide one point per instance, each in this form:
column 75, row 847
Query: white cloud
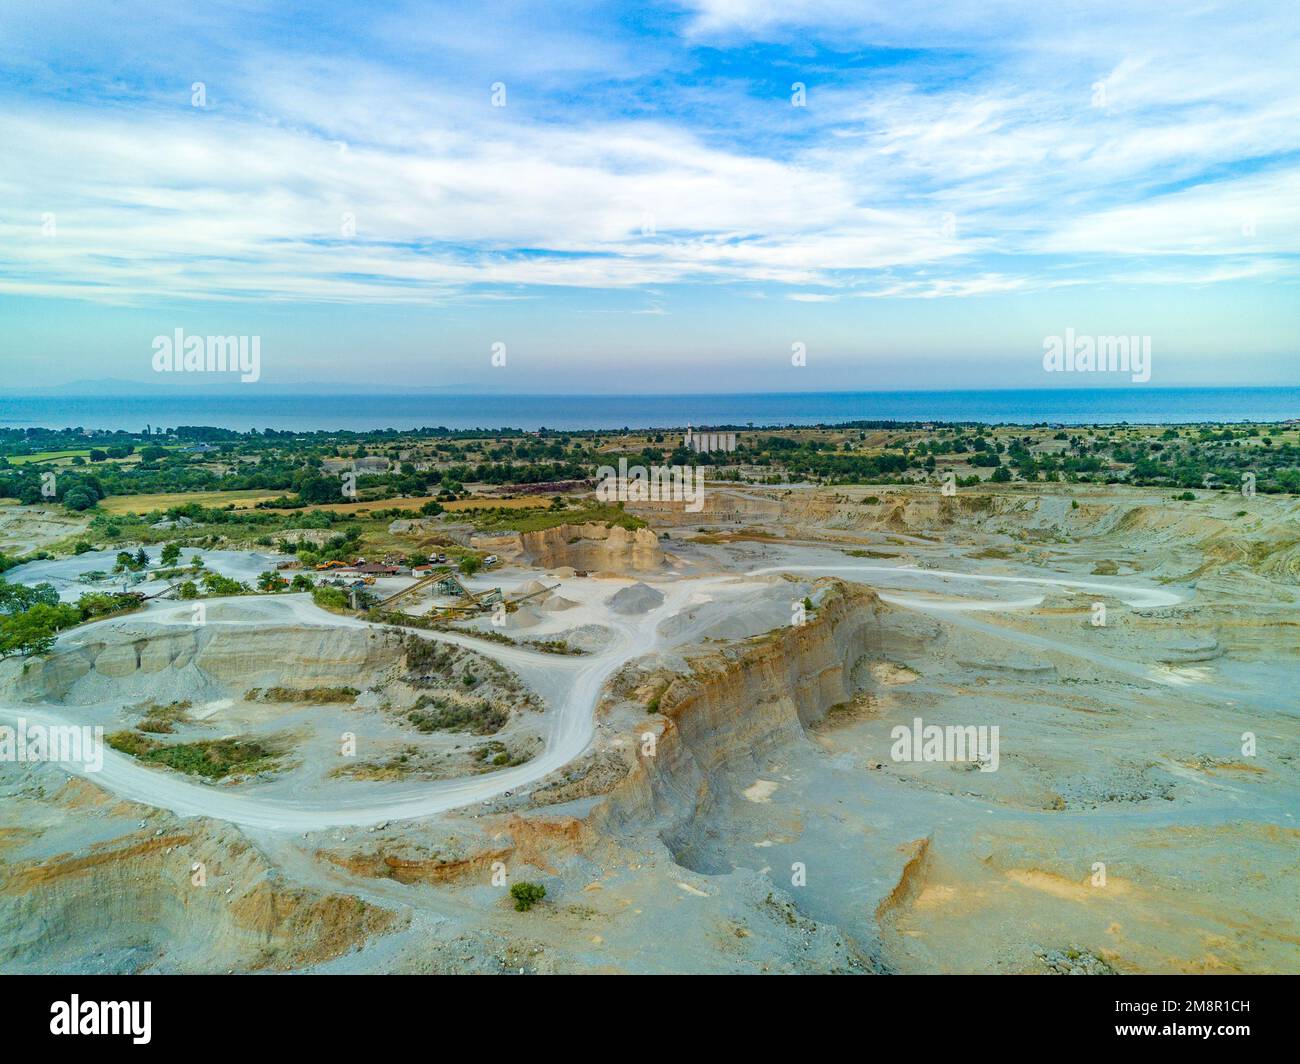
column 901, row 183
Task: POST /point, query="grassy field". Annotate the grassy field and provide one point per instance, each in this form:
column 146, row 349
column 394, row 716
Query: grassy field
column 413, row 503
column 46, row 456
column 143, row 504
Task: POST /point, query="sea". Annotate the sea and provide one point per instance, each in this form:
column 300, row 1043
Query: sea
column 243, row 411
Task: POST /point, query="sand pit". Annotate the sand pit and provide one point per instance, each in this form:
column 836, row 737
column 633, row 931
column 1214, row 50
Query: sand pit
column 774, row 747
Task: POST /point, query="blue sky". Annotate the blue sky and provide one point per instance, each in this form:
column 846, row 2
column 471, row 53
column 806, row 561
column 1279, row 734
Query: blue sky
column 656, row 207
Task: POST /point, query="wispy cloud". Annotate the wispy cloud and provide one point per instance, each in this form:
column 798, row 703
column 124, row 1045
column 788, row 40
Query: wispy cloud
column 1045, row 151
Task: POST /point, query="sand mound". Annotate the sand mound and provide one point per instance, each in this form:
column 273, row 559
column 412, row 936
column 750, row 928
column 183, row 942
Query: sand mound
column 639, row 598
column 524, row 617
column 556, row 603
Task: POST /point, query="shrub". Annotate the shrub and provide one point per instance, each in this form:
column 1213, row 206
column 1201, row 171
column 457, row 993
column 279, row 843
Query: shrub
column 317, row 696
column 526, row 895
column 329, row 598
column 211, row 758
column 101, row 603
column 482, row 718
column 216, row 584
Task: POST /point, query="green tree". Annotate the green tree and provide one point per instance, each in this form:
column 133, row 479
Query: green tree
column 271, row 581
column 34, row 630
column 171, row 554
column 469, row 565
column 79, row 498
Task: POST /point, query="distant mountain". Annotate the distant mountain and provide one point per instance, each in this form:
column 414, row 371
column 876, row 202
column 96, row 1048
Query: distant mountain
column 203, row 384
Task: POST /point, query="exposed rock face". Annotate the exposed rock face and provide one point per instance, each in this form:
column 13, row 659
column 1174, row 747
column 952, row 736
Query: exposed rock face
column 174, row 896
column 746, row 701
column 590, row 546
column 202, row 662
column 315, row 537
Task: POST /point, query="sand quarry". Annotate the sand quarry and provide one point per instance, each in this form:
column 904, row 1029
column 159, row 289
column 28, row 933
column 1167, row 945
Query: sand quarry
column 713, row 784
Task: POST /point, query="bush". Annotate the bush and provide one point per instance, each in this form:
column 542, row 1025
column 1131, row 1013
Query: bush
column 210, row 758
column 317, row 696
column 527, row 895
column 482, row 718
column 102, row 603
column 216, row 584
column 330, row 598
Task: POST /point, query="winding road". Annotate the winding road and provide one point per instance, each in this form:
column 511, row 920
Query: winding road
column 571, row 686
